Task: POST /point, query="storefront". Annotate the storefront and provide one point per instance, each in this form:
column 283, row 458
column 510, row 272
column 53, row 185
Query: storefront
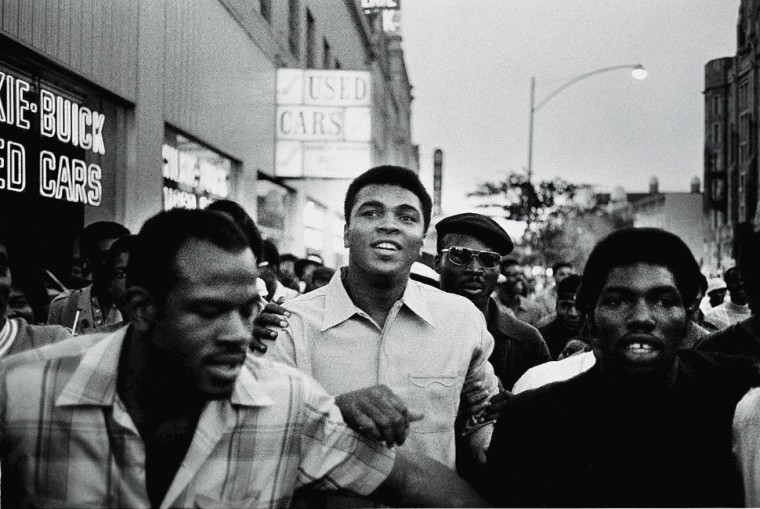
column 62, row 153
column 194, row 174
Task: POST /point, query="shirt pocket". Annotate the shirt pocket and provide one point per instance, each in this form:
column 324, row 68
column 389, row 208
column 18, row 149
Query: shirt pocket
column 436, row 396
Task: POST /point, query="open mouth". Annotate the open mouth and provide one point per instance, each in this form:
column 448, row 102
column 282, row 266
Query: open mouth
column 225, row 367
column 641, row 351
column 387, row 246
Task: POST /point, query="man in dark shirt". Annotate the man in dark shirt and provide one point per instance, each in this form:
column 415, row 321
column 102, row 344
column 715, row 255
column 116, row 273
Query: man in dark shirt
column 470, row 247
column 645, row 426
column 568, row 320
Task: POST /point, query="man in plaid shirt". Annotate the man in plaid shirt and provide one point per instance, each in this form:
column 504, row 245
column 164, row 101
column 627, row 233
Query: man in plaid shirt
column 171, row 411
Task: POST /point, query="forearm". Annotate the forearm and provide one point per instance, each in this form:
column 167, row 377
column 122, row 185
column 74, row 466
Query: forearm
column 419, row 481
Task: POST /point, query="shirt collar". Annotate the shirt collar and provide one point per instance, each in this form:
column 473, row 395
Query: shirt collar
column 339, row 307
column 94, row 380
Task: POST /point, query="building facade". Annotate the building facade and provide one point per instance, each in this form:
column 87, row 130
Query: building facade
column 116, row 110
column 673, row 212
column 731, row 138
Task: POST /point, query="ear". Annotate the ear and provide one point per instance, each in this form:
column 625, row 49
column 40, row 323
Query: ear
column 438, row 263
column 142, row 308
column 346, row 242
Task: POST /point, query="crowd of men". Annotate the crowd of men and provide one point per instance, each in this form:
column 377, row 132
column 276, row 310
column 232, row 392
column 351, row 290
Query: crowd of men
column 196, row 366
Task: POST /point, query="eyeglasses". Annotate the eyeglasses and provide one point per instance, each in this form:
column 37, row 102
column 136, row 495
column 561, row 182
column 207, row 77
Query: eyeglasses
column 462, row 256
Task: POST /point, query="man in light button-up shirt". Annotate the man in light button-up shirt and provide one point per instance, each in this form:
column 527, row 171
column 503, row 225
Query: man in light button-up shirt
column 397, row 354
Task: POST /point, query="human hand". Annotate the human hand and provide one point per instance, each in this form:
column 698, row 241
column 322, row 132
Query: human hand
column 494, row 406
column 273, row 315
column 378, row 413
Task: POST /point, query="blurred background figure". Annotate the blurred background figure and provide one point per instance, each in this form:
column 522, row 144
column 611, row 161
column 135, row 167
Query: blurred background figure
column 304, row 267
column 269, row 271
column 91, row 307
column 568, row 320
column 715, row 294
column 512, row 293
column 288, row 272
column 117, row 263
column 547, row 297
column 22, row 300
column 321, row 276
column 735, row 309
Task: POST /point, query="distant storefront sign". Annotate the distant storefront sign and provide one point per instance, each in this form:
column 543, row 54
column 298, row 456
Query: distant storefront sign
column 324, row 123
column 194, row 175
column 389, row 12
column 47, row 138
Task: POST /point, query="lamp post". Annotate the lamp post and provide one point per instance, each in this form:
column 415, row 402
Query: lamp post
column 638, row 73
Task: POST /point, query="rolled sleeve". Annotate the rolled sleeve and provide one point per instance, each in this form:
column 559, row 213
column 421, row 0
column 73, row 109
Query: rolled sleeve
column 335, row 457
column 480, row 370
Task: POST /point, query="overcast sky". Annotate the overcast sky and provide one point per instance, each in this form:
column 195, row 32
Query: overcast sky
column 470, row 63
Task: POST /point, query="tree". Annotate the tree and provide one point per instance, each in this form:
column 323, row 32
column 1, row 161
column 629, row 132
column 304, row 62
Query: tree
column 563, row 220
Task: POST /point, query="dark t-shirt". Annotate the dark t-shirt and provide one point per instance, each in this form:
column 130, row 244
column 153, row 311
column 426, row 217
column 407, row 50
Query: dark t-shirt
column 580, row 443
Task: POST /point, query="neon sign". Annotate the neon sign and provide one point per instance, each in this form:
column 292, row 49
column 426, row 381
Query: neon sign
column 62, row 120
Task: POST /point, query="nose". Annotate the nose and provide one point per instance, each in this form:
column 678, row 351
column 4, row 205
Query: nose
column 237, row 329
column 388, row 223
column 641, row 316
column 573, row 312
column 473, row 265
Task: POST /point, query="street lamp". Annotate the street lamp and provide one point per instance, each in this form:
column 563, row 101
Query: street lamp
column 638, row 73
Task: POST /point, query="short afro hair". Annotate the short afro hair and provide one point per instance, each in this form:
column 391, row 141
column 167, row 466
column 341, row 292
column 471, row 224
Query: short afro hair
column 630, row 246
column 389, row 175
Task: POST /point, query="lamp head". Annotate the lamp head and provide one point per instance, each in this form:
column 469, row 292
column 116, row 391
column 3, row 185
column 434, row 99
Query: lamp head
column 639, row 72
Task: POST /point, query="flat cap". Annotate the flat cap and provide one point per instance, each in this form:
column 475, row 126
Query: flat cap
column 479, row 226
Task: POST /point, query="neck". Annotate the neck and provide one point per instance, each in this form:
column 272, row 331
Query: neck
column 148, row 386
column 375, row 296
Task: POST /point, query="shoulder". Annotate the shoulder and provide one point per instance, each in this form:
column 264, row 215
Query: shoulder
column 748, row 409
column 734, row 339
column 283, row 382
column 71, row 346
column 40, row 335
column 515, row 328
column 722, row 372
column 556, row 396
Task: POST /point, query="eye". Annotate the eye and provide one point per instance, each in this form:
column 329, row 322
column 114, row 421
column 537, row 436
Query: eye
column 612, row 301
column 407, row 218
column 369, row 214
column 208, row 310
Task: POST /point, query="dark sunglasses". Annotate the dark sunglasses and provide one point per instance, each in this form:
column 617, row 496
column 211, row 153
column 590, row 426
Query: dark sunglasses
column 462, row 256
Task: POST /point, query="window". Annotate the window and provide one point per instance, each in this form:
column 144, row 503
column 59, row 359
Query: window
column 326, row 54
column 716, row 134
column 743, row 93
column 294, row 25
column 265, row 9
column 742, row 199
column 745, row 137
column 311, row 50
column 337, row 64
column 716, row 105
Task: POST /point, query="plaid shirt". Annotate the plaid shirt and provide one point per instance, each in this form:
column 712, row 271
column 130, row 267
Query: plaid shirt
column 68, row 438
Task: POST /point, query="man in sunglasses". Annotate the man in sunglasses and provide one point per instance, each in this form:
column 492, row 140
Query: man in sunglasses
column 470, row 247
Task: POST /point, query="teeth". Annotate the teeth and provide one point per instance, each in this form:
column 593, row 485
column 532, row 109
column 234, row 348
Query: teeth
column 386, row 245
column 640, row 346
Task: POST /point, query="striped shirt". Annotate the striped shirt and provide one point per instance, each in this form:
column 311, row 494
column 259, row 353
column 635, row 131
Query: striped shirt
column 67, row 436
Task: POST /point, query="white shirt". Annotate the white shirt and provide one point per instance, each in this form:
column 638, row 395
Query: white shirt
column 554, row 371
